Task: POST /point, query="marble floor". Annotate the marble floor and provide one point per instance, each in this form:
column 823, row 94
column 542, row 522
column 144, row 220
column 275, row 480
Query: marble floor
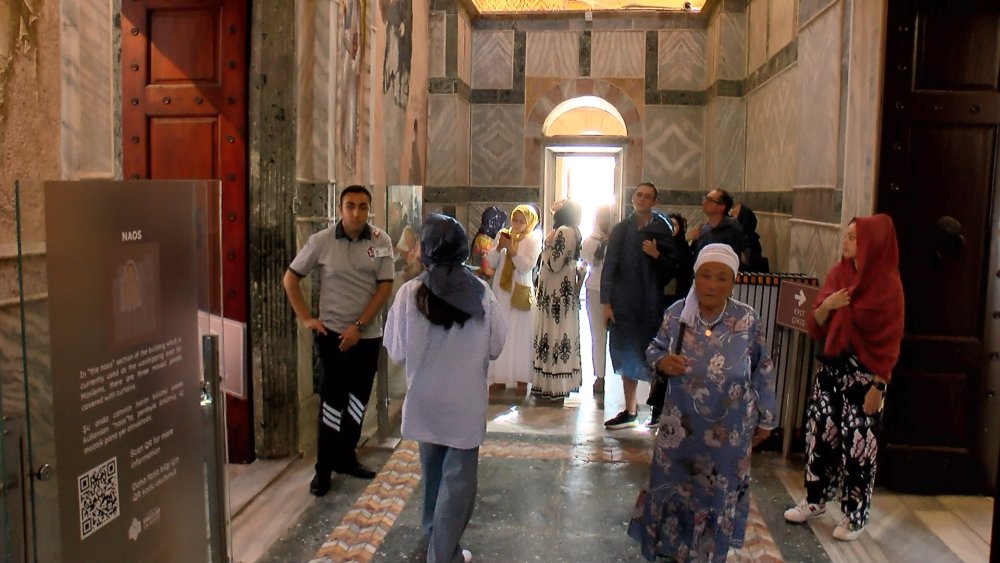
column 554, row 485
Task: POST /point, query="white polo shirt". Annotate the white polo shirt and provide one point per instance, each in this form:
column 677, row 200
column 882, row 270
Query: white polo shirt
column 349, row 274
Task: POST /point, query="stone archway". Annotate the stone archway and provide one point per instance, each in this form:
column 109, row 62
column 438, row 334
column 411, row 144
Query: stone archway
column 566, row 90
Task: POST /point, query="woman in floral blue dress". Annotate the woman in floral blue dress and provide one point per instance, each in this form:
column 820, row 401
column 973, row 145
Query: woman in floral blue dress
column 719, row 403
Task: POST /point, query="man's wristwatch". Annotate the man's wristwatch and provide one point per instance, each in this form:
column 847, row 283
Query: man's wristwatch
column 880, row 385
column 361, row 326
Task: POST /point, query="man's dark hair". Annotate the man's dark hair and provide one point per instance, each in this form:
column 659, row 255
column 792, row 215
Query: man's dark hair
column 656, row 192
column 727, row 199
column 355, row 189
column 437, row 310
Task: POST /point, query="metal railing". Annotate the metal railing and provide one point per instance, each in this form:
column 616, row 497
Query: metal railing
column 792, row 352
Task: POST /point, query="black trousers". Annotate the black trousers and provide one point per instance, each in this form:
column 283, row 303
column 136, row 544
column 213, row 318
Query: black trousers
column 345, row 385
column 657, row 392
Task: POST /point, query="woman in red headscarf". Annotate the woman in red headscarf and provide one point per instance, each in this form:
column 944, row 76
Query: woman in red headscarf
column 858, row 319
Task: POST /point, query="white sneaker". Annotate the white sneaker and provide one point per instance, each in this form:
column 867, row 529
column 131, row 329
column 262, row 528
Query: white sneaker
column 804, row 511
column 467, row 555
column 843, row 531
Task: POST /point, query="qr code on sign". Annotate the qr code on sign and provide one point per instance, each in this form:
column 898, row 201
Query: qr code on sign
column 100, row 500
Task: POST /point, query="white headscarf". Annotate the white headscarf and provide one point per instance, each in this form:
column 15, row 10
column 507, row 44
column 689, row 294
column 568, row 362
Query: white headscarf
column 716, row 252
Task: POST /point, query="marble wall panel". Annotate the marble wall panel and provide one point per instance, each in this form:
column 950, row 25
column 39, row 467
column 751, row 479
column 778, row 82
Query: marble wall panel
column 771, row 133
column 809, row 8
column 316, row 117
column 775, row 240
column 444, row 126
column 493, row 59
column 436, row 54
column 782, row 24
column 464, row 47
column 731, row 61
column 89, row 91
column 618, row 54
column 819, row 101
column 712, row 46
column 813, row 247
column 552, row 53
column 757, row 35
column 11, row 362
column 12, row 367
column 725, row 147
column 463, row 135
column 497, row 138
column 681, row 59
column 864, row 100
column 673, row 154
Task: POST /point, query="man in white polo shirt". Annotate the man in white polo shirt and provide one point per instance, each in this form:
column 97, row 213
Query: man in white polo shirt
column 356, row 271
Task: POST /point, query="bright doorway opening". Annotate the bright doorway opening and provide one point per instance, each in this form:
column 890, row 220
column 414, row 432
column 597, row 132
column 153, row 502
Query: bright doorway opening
column 591, row 175
column 589, row 180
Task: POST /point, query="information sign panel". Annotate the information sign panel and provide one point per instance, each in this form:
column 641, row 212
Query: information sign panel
column 123, row 280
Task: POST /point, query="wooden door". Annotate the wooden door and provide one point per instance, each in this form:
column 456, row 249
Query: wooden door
column 937, row 180
column 184, row 76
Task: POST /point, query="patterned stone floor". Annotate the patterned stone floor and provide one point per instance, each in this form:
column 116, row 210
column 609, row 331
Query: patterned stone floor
column 366, row 526
column 554, row 485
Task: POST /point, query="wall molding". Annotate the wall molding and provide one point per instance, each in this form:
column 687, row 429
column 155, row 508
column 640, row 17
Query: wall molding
column 470, row 194
column 450, row 86
column 786, row 57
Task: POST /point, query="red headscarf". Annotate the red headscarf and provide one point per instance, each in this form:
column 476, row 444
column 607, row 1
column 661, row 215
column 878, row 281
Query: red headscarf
column 872, row 325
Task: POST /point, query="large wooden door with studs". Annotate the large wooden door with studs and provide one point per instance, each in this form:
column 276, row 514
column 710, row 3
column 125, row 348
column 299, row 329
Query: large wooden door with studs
column 184, row 116
column 938, row 180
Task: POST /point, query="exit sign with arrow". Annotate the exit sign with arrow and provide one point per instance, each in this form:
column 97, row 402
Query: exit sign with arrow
column 795, row 302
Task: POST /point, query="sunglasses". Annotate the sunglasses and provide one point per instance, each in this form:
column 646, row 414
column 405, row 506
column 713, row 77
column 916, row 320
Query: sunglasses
column 715, row 201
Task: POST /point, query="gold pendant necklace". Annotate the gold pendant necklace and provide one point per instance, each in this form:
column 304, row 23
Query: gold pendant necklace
column 710, row 325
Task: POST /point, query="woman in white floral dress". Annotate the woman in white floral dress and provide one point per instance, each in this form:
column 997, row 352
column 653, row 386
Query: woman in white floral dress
column 557, row 324
column 719, row 402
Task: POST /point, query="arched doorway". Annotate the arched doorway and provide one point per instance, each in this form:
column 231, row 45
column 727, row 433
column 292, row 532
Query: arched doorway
column 583, row 155
column 583, row 118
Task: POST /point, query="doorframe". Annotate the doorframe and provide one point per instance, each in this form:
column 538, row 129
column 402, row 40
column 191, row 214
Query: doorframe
column 554, row 148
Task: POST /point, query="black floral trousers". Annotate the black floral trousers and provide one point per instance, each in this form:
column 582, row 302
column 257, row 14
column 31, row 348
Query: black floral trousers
column 840, row 439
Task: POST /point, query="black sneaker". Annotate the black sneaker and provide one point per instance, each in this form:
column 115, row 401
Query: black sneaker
column 623, row 419
column 356, row 470
column 320, row 484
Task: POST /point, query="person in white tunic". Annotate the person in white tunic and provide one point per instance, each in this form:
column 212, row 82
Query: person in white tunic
column 445, row 326
column 592, row 253
column 557, row 323
column 514, row 257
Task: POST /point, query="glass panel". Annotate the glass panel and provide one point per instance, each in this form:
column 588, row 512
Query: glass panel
column 21, row 317
column 404, row 216
column 404, row 213
column 119, row 279
column 28, row 397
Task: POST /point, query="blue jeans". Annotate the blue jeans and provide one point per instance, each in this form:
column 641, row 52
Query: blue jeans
column 450, row 482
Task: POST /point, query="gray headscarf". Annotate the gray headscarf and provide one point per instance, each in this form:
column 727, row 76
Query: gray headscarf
column 443, row 250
